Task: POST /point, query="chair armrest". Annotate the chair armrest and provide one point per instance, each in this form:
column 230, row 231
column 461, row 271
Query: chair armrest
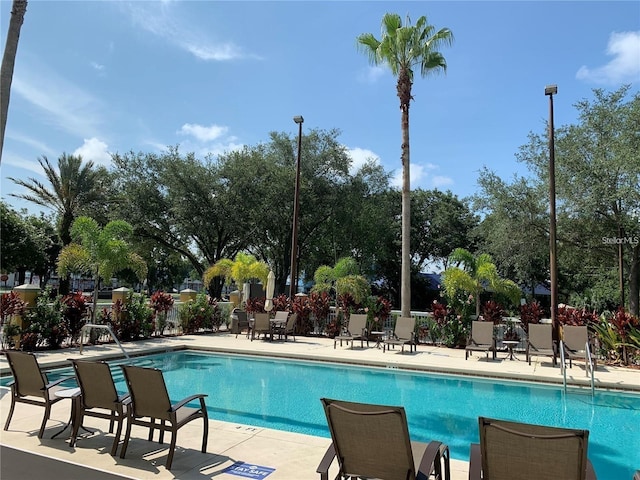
column 432, row 461
column 184, row 401
column 56, row 382
column 325, row 463
column 475, row 462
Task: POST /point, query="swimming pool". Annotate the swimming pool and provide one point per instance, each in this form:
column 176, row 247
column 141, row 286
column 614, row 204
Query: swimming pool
column 284, row 395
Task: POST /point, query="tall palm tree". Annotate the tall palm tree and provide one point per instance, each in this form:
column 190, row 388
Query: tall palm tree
column 18, row 11
column 73, row 188
column 401, row 48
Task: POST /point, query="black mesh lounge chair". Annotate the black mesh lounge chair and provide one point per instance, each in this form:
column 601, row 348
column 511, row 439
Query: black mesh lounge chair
column 509, row 450
column 575, row 339
column 150, row 399
column 404, row 333
column 372, row 441
column 30, row 385
column 356, row 330
column 540, row 342
column 99, row 398
column 482, row 339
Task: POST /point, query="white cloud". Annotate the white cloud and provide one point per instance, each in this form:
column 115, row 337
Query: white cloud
column 421, row 177
column 372, row 74
column 42, row 148
column 61, row 103
column 624, row 47
column 95, row 150
column 162, row 19
column 201, row 133
column 359, row 157
column 17, row 161
column 97, row 66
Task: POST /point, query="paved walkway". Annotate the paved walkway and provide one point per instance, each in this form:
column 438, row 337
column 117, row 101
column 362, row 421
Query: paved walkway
column 293, row 456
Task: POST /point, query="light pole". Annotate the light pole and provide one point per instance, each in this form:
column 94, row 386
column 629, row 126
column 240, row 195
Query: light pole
column 551, row 90
column 296, row 205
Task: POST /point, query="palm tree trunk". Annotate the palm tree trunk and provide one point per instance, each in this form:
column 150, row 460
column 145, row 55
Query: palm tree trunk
column 404, row 92
column 18, row 10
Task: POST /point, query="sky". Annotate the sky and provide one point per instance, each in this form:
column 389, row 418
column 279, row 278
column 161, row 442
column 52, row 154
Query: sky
column 100, row 77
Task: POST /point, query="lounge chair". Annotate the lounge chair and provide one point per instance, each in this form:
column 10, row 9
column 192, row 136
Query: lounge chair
column 30, row 385
column 540, row 342
column 575, row 339
column 99, row 398
column 289, row 328
column 356, row 330
column 636, row 476
column 509, row 450
column 150, row 399
column 403, row 334
column 482, row 339
column 372, row 441
column 261, row 325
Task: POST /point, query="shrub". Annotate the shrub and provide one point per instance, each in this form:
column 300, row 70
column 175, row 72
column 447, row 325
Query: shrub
column 572, row 316
column 492, row 312
column 132, row 319
column 302, row 306
column 320, row 306
column 74, row 311
column 161, row 303
column 530, row 313
column 199, row 314
column 46, row 324
column 11, row 304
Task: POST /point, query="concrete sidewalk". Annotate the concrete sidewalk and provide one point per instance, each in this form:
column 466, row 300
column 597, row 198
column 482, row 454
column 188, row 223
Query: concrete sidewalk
column 293, row 456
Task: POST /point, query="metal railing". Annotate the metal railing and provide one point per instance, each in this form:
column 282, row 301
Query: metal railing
column 88, row 326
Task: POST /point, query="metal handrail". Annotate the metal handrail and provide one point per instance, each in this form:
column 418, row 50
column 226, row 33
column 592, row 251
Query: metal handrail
column 563, row 366
column 590, row 367
column 89, row 326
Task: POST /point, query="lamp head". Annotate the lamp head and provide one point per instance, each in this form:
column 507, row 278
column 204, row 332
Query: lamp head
column 550, row 89
column 298, row 119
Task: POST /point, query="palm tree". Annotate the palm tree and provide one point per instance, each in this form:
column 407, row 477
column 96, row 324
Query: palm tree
column 101, row 251
column 243, row 268
column 74, row 188
column 401, row 48
column 472, row 274
column 18, row 11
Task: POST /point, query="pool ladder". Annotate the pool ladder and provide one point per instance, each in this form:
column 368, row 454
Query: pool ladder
column 590, row 371
column 89, row 326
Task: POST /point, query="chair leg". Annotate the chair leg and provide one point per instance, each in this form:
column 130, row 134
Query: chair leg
column 172, row 447
column 116, row 441
column 13, row 405
column 205, row 433
column 127, row 434
column 47, row 412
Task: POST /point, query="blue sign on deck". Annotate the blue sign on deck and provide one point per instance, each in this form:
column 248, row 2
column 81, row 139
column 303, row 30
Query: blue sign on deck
column 248, row 470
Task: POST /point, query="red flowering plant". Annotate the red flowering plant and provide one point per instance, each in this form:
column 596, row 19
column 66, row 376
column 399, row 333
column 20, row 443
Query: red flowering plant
column 530, row 312
column 281, row 303
column 378, row 310
column 74, row 311
column 161, row 303
column 320, row 306
column 302, row 307
column 11, row 304
column 567, row 315
column 255, row 305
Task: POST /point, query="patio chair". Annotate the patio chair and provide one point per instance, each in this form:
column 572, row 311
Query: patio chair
column 540, row 342
column 99, row 398
column 241, row 322
column 575, row 340
column 372, row 441
column 636, row 476
column 356, row 330
column 509, row 450
column 482, row 339
column 289, row 328
column 281, row 316
column 261, row 325
column 150, row 399
column 31, row 386
column 403, row 334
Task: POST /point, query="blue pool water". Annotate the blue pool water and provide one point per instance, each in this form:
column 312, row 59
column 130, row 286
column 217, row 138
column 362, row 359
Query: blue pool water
column 284, row 395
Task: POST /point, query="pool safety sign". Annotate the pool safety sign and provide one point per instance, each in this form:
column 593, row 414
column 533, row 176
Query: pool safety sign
column 249, row 470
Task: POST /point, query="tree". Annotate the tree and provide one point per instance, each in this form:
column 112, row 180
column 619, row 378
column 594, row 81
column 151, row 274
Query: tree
column 243, row 268
column 76, row 187
column 101, row 252
column 401, row 48
column 440, row 223
column 471, row 275
column 597, row 187
column 18, row 10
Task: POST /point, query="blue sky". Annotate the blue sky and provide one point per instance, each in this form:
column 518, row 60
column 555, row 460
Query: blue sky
column 94, row 77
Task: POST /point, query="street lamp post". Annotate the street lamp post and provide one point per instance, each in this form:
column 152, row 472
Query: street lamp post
column 296, row 205
column 551, row 90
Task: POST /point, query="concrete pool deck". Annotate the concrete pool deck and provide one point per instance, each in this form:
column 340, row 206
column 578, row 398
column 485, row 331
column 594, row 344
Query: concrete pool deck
column 293, row 456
